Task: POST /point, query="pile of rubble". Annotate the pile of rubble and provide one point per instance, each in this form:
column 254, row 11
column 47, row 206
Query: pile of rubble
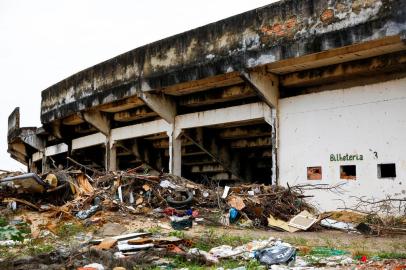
column 85, row 196
column 74, row 192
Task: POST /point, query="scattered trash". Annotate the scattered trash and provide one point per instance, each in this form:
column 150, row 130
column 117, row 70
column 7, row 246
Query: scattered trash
column 234, row 214
column 327, row 252
column 304, row 220
column 338, row 225
column 95, row 266
column 83, row 214
column 123, row 246
column 236, row 202
column 181, row 223
column 364, row 228
column 279, row 254
column 277, row 223
column 182, row 200
column 175, row 204
column 225, row 192
column 107, row 243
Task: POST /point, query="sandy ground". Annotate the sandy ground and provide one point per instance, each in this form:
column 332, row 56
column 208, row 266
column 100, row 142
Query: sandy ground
column 355, row 243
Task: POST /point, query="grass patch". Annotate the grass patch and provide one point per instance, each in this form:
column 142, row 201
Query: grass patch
column 155, row 230
column 3, row 222
column 69, row 229
column 390, row 255
column 297, row 241
column 13, row 232
column 5, row 253
column 39, row 248
column 179, row 262
column 179, row 234
column 210, row 239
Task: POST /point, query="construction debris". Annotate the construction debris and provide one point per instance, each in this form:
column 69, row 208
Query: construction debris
column 175, row 204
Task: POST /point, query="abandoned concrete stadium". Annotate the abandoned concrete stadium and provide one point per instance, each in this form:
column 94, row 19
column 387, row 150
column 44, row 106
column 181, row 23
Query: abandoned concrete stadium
column 265, row 96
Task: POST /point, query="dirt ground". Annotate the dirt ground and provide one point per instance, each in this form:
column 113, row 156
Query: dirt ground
column 66, row 242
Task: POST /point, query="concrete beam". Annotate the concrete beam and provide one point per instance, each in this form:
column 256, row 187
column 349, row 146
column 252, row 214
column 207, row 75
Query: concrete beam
column 56, row 149
column 245, row 132
column 87, row 141
column 84, row 128
column 37, row 156
column 339, row 55
column 350, row 70
column 134, row 114
column 72, row 120
column 121, row 105
column 160, row 103
column 206, row 169
column 265, row 84
column 196, row 160
column 252, row 143
column 247, row 112
column 140, row 130
column 98, row 120
column 216, row 96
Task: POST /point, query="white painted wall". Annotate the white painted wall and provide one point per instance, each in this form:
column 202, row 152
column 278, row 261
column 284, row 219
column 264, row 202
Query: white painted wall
column 358, row 120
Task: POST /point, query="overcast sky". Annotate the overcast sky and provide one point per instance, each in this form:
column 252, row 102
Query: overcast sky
column 45, row 41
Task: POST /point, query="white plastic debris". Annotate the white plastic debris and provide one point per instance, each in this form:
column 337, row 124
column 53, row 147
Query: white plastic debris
column 97, row 266
column 334, row 224
column 225, row 192
column 8, row 243
column 167, row 184
column 118, row 255
column 12, row 205
column 208, row 256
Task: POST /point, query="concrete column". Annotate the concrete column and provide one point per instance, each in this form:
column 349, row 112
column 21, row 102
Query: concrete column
column 111, row 155
column 175, row 151
column 44, row 166
column 270, row 116
column 113, row 158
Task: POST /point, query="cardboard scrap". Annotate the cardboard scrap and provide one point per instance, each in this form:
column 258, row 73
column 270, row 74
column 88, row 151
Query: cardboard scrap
column 146, row 187
column 139, row 201
column 107, row 243
column 304, row 220
column 139, row 241
column 236, row 202
column 278, row 223
column 84, row 184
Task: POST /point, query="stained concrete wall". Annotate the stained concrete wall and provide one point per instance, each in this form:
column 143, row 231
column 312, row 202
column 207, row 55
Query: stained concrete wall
column 282, row 30
column 366, row 120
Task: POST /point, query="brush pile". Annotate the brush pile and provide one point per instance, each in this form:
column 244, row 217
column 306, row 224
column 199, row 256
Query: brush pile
column 137, row 192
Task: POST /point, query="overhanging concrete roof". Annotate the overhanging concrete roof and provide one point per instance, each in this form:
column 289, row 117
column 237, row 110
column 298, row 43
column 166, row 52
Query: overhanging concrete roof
column 280, row 31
